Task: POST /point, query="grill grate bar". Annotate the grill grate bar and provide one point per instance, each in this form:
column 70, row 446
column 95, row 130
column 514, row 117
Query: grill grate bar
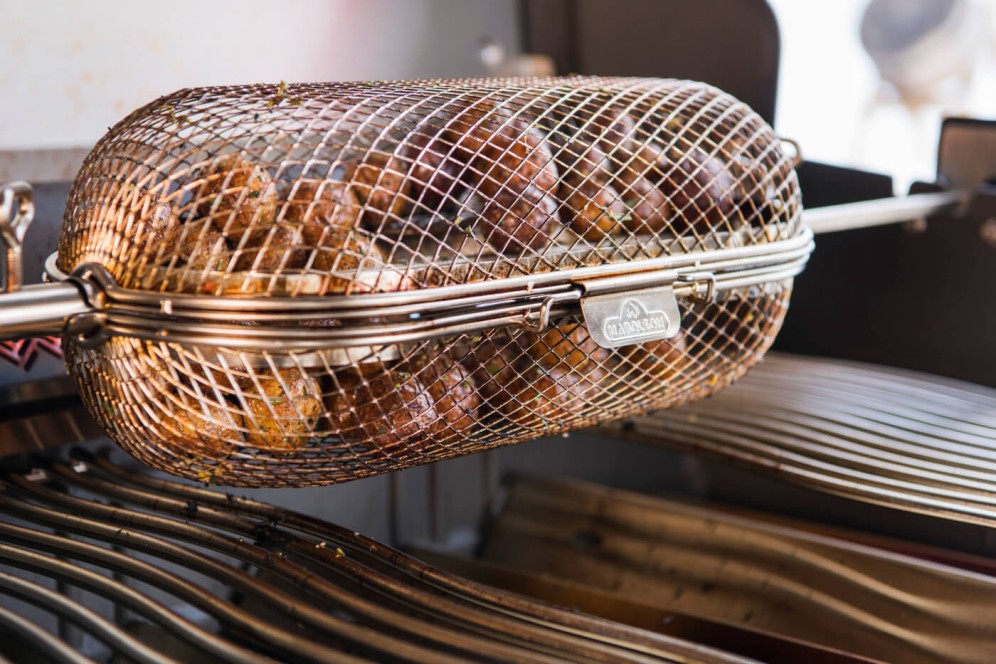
column 117, row 592
column 333, row 595
column 886, row 436
column 362, row 547
column 276, row 584
column 78, row 522
column 446, row 621
column 81, row 616
column 46, row 644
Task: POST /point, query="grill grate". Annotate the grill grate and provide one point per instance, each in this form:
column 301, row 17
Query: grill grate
column 885, row 436
column 303, row 589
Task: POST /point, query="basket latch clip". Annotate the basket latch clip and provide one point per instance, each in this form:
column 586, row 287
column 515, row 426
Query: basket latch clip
column 619, row 311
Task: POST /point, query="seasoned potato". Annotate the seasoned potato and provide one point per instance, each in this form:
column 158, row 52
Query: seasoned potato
column 452, row 389
column 156, row 230
column 514, row 172
column 280, row 248
column 544, row 399
column 700, row 188
column 236, row 195
column 203, row 247
column 133, row 231
column 647, row 208
column 593, row 212
column 355, row 264
column 568, row 345
column 589, row 203
column 658, row 363
column 434, row 170
column 321, row 207
column 514, row 222
column 382, row 187
column 282, row 410
column 635, row 166
column 132, row 369
column 203, row 429
column 386, row 410
column 492, row 366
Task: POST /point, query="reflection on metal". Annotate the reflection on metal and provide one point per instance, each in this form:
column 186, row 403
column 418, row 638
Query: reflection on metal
column 744, row 573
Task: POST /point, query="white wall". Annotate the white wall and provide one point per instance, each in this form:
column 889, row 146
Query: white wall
column 69, row 69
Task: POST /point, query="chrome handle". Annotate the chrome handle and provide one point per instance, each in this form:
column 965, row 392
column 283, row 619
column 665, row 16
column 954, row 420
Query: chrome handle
column 17, row 209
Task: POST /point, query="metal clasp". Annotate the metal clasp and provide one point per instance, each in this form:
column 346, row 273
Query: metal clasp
column 630, row 309
column 17, row 209
column 698, row 281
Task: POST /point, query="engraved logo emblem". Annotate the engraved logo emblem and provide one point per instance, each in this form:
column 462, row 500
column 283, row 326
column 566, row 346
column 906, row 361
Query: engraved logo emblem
column 635, row 322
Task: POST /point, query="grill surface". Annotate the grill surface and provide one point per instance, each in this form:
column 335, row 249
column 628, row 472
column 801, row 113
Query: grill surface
column 887, row 436
column 292, row 588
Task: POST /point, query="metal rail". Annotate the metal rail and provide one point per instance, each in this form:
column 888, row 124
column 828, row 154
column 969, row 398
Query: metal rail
column 866, row 214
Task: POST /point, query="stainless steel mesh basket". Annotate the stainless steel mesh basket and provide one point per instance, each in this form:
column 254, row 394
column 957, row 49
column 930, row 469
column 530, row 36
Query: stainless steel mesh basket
column 305, row 284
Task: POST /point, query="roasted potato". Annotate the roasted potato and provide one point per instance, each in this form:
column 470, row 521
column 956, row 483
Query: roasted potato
column 382, row 186
column 492, row 366
column 697, row 180
column 135, row 230
column 282, row 410
column 434, row 170
column 589, row 203
column 568, row 345
column 516, row 175
column 661, row 361
column 515, row 222
column 453, row 390
column 635, row 166
column 388, row 410
column 321, row 207
column 544, row 399
column 281, row 247
column 203, row 247
column 355, row 264
column 203, row 428
column 237, row 196
column 647, row 208
column 510, row 166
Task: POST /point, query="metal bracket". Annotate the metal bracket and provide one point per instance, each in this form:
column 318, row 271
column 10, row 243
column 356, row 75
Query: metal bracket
column 17, row 210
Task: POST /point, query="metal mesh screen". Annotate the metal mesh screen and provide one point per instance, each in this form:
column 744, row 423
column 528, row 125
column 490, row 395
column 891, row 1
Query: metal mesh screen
column 346, row 189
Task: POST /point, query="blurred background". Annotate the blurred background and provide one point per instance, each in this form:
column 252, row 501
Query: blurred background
column 68, row 70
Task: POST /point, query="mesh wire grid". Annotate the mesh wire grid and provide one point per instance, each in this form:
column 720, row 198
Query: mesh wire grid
column 339, row 190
